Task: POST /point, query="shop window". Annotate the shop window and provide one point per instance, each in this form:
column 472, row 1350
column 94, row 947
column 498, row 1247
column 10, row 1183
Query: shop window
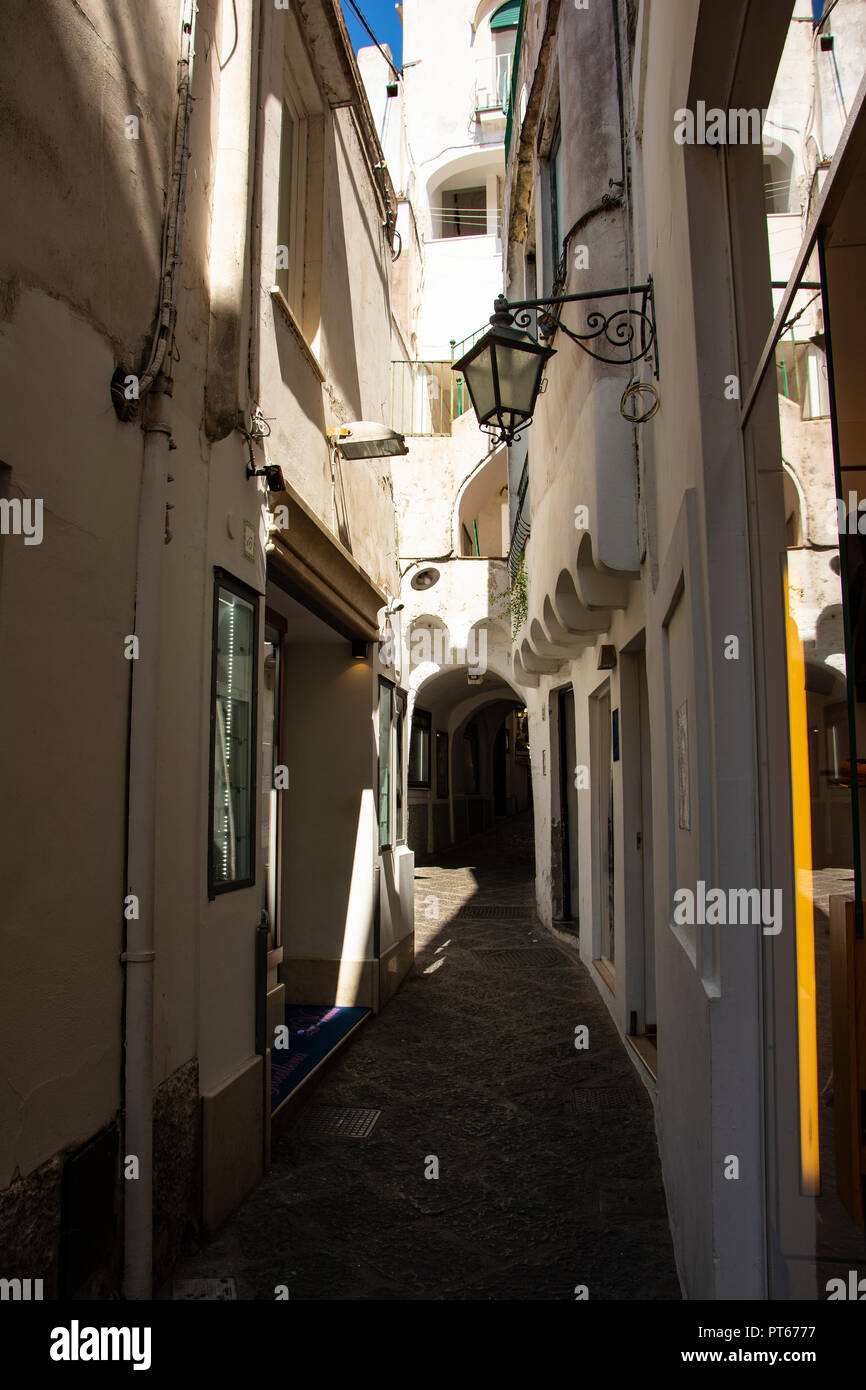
column 231, row 862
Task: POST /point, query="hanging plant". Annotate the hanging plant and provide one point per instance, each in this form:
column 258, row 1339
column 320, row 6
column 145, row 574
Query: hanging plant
column 514, row 603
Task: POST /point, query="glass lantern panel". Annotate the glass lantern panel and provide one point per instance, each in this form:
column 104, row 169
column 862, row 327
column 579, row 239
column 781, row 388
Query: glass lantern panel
column 479, row 378
column 519, row 373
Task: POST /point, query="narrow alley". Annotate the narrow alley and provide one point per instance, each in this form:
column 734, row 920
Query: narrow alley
column 433, row 670
column 548, row 1167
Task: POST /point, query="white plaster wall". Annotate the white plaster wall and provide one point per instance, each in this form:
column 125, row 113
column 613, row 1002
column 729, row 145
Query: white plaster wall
column 690, row 525
column 441, row 48
column 352, row 345
column 463, row 276
column 329, row 813
column 427, row 484
column 69, row 318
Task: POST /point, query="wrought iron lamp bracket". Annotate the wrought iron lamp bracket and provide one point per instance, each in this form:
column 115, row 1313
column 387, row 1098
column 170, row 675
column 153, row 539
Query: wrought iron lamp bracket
column 624, row 336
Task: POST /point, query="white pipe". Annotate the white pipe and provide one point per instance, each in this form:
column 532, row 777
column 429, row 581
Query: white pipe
column 138, row 956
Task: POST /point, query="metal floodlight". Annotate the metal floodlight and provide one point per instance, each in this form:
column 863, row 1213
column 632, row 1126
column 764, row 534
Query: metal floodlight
column 367, row 439
column 503, row 374
column 426, row 578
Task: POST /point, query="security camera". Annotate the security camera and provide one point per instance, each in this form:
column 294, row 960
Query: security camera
column 274, row 475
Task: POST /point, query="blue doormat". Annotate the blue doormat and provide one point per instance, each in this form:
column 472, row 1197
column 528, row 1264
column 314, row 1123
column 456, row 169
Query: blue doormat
column 313, row 1033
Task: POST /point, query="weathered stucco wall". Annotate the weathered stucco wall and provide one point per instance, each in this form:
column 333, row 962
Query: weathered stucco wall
column 665, row 503
column 333, row 365
column 80, row 294
column 81, row 265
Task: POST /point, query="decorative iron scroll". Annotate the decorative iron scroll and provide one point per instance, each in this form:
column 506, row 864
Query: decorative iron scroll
column 626, row 335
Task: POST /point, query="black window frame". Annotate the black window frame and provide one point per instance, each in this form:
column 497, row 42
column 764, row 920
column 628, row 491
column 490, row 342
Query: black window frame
column 441, row 741
column 387, row 845
column 555, row 209
column 223, row 579
column 401, row 757
column 471, row 736
column 421, row 719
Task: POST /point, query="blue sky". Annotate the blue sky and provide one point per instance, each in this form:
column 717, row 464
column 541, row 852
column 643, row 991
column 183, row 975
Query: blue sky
column 382, row 18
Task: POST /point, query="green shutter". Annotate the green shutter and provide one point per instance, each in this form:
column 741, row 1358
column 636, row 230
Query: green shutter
column 507, row 16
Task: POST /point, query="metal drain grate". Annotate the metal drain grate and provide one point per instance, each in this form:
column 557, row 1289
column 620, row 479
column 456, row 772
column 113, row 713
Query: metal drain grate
column 204, row 1290
column 526, row 956
column 343, row 1120
column 605, row 1098
column 493, row 910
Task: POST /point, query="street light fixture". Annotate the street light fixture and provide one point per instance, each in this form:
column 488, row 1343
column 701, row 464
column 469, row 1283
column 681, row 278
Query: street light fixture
column 367, row 439
column 503, row 374
column 504, row 369
column 426, row 578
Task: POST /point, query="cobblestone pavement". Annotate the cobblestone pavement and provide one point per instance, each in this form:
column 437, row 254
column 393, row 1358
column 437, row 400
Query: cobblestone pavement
column 473, row 1062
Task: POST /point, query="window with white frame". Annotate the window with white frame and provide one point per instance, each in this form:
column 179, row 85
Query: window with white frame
column 391, row 765
column 289, row 272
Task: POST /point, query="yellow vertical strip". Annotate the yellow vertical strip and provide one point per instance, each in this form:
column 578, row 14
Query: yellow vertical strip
column 810, row 1162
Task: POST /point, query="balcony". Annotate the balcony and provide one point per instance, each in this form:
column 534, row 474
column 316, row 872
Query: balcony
column 493, row 85
column 426, row 397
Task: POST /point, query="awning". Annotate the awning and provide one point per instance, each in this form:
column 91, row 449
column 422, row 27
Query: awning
column 507, row 16
column 310, row 564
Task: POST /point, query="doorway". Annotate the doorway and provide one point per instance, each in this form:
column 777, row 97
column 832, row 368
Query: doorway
column 637, row 842
column 604, row 837
column 568, row 809
column 500, row 750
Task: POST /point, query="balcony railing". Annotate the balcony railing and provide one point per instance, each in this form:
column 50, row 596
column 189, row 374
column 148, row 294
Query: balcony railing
column 426, row 397
column 458, row 349
column 493, row 83
column 451, row 220
column 520, row 530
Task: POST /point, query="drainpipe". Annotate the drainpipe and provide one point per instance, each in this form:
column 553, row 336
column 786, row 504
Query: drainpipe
column 139, row 954
column 138, row 957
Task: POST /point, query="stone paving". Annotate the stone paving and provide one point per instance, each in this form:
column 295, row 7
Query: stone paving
column 472, row 1064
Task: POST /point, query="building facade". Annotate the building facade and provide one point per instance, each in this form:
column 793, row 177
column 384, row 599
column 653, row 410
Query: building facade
column 468, row 760
column 203, row 821
column 683, row 652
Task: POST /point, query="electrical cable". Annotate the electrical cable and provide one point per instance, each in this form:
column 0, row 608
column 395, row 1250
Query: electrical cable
column 826, row 15
column 375, row 40
column 235, row 44
column 793, row 320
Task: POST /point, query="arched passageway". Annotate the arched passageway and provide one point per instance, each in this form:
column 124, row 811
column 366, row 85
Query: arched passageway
column 468, row 757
